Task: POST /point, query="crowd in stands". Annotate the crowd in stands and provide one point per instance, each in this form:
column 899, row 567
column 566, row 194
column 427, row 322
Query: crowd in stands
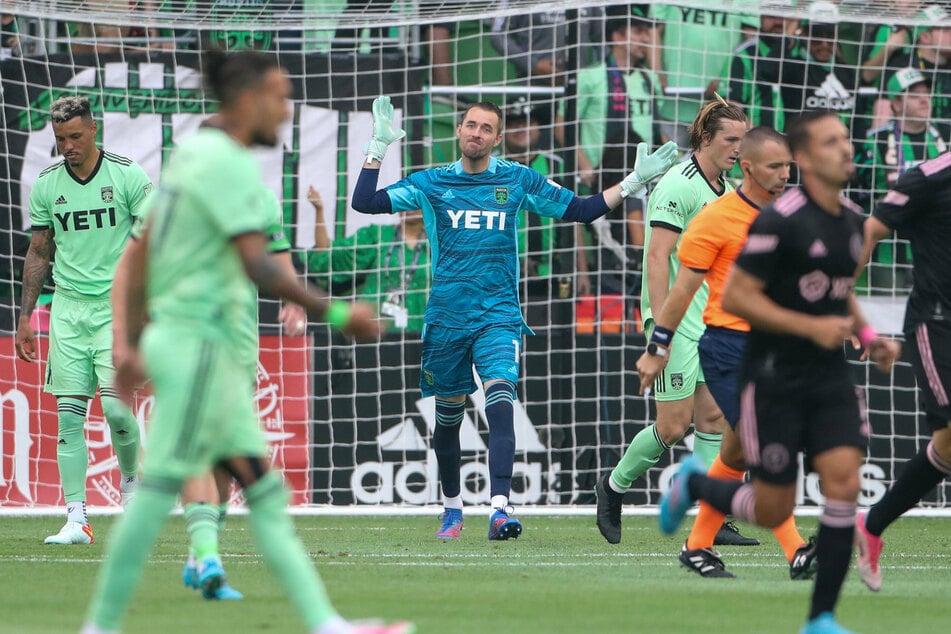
column 641, row 72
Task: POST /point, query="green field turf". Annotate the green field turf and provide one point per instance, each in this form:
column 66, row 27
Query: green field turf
column 559, row 577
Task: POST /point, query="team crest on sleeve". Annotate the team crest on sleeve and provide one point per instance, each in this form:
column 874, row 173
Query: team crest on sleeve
column 147, row 189
column 501, row 195
column 107, row 194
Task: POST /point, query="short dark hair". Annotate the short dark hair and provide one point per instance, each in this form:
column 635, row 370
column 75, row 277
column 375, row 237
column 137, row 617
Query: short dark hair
column 759, row 135
column 710, row 118
column 228, row 74
column 484, row 105
column 797, row 132
column 70, row 107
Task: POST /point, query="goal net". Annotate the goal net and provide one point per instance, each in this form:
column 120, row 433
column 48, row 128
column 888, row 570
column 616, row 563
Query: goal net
column 578, row 86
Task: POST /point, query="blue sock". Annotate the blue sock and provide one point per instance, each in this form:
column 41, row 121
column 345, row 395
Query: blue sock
column 446, row 444
column 499, row 414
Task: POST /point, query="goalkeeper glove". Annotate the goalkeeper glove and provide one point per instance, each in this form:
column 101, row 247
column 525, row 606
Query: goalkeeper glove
column 383, row 132
column 648, row 166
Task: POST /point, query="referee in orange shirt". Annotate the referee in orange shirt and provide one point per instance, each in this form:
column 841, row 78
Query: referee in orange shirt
column 710, row 245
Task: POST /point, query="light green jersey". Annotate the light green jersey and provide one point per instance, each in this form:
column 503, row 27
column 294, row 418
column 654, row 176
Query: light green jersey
column 697, row 48
column 210, row 192
column 91, row 220
column 247, row 338
column 643, row 89
column 679, row 196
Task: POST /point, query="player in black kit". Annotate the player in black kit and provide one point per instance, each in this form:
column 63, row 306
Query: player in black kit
column 919, row 207
column 793, row 283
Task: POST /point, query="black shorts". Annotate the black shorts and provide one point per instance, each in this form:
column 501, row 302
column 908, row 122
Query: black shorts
column 776, row 423
column 930, row 347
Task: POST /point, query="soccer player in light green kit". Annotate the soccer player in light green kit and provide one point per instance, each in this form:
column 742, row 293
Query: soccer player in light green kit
column 680, row 392
column 85, row 205
column 203, row 238
column 205, row 498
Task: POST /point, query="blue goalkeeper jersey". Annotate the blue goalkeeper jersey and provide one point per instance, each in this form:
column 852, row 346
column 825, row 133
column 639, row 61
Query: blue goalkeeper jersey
column 472, row 223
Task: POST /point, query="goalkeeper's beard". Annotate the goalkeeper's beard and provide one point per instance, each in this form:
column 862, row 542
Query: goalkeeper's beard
column 477, row 155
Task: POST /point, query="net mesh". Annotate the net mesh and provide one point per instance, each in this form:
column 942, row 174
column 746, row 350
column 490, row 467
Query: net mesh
column 349, row 426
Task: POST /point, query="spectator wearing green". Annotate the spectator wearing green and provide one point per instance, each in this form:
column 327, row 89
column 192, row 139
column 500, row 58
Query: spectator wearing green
column 932, row 56
column 692, row 51
column 388, row 264
column 522, row 143
column 750, row 66
column 911, row 137
column 617, row 97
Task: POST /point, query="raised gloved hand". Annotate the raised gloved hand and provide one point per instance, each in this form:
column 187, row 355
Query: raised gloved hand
column 383, row 132
column 648, row 166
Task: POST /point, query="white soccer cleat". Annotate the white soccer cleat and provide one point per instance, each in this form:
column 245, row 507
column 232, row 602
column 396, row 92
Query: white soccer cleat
column 72, row 533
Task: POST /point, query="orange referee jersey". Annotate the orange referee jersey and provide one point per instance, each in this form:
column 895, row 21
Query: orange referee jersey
column 712, row 242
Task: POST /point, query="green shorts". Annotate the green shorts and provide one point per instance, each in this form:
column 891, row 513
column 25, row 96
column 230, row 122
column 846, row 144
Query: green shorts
column 204, row 410
column 680, row 378
column 80, row 354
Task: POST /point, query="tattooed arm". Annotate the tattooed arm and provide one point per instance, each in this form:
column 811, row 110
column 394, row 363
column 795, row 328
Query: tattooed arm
column 35, row 270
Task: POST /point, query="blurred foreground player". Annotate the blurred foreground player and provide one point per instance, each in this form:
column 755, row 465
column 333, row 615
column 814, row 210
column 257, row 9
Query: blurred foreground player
column 204, row 237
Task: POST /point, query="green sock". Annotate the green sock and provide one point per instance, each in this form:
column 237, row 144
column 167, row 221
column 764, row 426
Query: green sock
column 71, row 454
column 706, row 446
column 643, row 453
column 201, row 522
column 124, row 430
column 127, row 550
column 222, row 516
column 283, row 551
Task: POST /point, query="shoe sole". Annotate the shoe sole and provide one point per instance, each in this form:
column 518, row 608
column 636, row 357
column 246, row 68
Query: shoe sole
column 508, row 530
column 211, row 586
column 675, row 504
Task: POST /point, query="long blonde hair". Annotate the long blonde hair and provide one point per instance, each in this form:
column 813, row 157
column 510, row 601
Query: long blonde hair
column 710, row 120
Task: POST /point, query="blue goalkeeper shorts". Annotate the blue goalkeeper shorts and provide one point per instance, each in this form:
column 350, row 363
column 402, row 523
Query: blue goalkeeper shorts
column 450, row 353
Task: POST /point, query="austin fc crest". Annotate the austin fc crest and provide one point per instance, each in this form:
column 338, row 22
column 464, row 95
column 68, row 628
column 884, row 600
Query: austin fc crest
column 501, row 195
column 107, row 194
column 677, row 381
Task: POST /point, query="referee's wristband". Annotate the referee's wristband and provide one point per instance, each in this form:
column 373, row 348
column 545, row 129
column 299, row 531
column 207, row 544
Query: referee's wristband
column 338, row 314
column 662, row 336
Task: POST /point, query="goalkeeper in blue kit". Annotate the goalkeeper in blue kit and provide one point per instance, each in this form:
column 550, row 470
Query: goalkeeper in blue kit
column 473, row 317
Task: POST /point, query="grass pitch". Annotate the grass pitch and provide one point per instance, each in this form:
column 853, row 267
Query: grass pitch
column 559, row 577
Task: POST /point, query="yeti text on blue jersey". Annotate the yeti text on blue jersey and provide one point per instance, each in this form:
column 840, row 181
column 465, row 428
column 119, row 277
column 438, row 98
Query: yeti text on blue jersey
column 471, row 220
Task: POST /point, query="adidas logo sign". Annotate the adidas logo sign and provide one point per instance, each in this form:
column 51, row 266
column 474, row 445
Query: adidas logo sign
column 412, row 475
column 448, row 195
column 818, row 249
column 831, row 95
column 61, row 200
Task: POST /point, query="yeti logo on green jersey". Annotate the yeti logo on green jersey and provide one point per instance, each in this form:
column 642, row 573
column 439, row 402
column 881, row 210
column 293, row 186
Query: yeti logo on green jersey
column 501, row 195
column 107, row 194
